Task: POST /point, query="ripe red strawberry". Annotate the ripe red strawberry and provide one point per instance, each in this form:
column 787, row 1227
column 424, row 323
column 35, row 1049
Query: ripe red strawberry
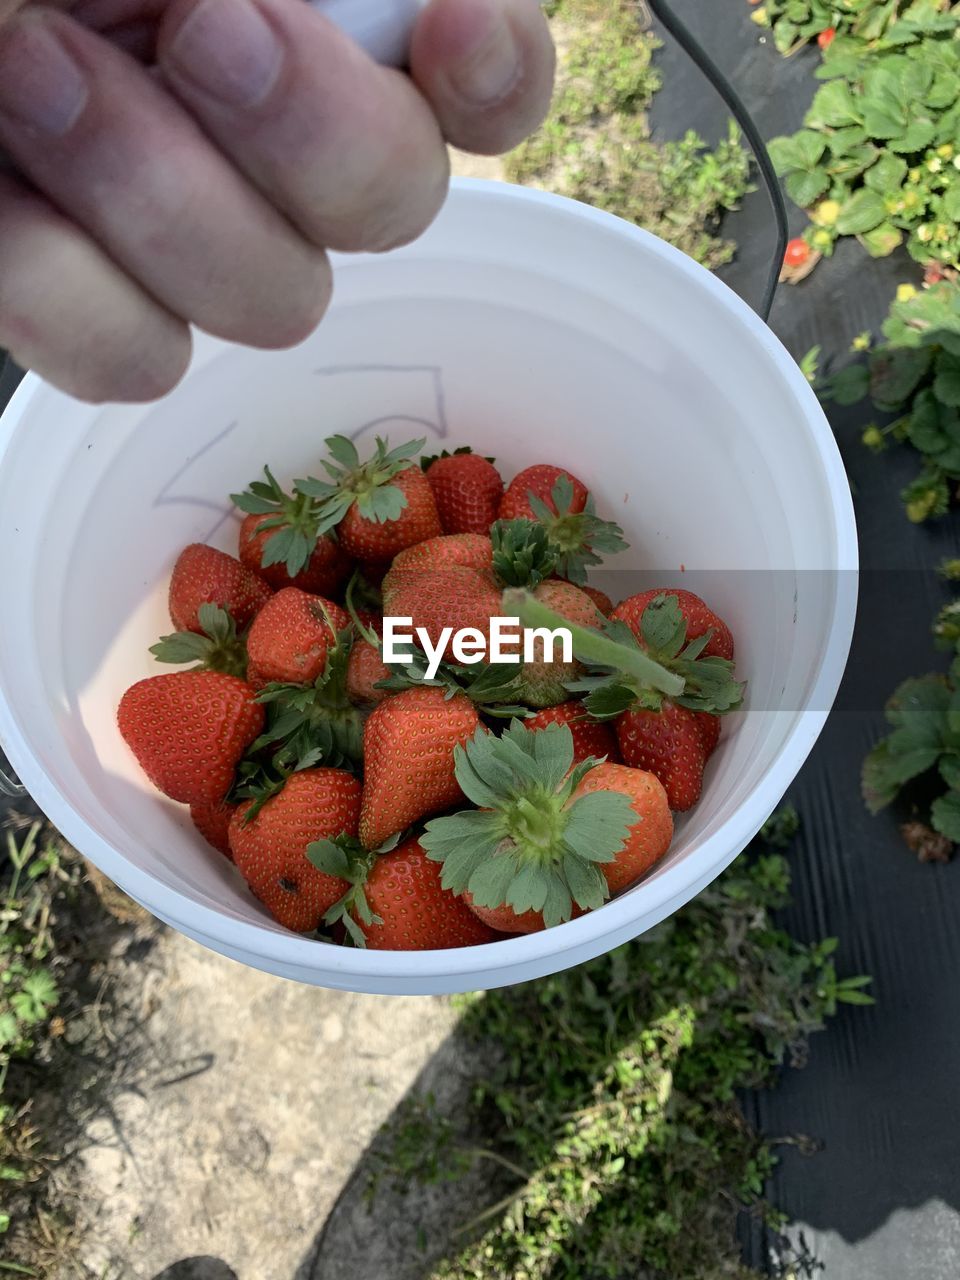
column 291, row 638
column 366, row 667
column 467, row 490
column 189, row 730
column 670, row 744
column 326, row 571
column 378, row 507
column 416, row 913
column 826, row 37
column 549, row 836
column 649, row 838
column 539, row 481
column 697, row 615
column 378, row 542
column 213, row 823
column 798, row 251
column 203, row 575
column 271, row 850
column 599, row 598
column 408, row 746
column 444, row 582
column 590, row 737
column 709, row 731
column 545, row 683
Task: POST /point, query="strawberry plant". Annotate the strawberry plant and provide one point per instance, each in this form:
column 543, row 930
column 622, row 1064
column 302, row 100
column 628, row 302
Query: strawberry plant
column 915, row 376
column 596, row 144
column 924, row 715
column 877, row 157
column 609, row 1094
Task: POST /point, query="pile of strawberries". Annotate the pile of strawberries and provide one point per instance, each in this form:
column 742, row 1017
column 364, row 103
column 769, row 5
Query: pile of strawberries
column 367, row 804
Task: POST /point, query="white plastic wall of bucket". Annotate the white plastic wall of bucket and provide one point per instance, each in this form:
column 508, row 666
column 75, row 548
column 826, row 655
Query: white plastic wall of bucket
column 534, row 329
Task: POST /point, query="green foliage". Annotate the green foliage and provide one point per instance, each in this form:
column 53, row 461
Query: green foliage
column 915, row 376
column 596, row 144
column 877, row 157
column 612, row 1091
column 924, row 714
column 30, row 876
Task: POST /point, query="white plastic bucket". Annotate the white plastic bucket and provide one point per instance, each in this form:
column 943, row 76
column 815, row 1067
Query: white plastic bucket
column 535, row 329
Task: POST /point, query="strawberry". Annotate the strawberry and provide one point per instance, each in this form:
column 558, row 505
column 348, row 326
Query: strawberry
column 663, row 690
column 270, row 849
column 366, row 667
column 213, row 823
column 538, row 482
column 699, row 619
column 408, row 746
column 826, row 37
column 282, row 539
column 325, row 572
column 189, row 730
column 590, row 737
column 467, row 490
column 378, row 507
column 709, row 731
column 444, row 582
column 797, row 254
column 546, row 838
column 396, row 901
column 291, row 638
column 566, row 511
column 505, row 920
column 203, row 575
column 545, row 683
column 669, row 743
column 599, row 598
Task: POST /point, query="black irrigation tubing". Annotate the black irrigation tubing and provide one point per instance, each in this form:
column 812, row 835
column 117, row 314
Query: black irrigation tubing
column 698, row 55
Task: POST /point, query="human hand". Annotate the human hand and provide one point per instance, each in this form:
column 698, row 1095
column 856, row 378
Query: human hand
column 174, row 162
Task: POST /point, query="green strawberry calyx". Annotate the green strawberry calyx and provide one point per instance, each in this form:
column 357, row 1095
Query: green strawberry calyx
column 575, row 536
column 531, row 844
column 368, row 484
column 345, row 858
column 220, row 648
column 625, row 672
column 315, row 722
column 293, row 517
column 523, row 555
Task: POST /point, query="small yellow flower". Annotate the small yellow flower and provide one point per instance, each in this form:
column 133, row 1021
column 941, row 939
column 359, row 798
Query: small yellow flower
column 873, row 438
column 826, row 213
column 911, row 200
column 893, row 204
column 759, row 16
column 946, row 151
column 905, row 292
column 913, row 175
column 861, row 342
column 925, row 233
column 934, row 164
column 942, row 233
column 956, row 162
column 822, row 239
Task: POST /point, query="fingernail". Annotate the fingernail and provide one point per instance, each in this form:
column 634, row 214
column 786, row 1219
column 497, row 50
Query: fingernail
column 228, row 50
column 41, row 86
column 490, row 65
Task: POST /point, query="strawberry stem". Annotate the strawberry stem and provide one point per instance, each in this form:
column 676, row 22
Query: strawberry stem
column 592, row 647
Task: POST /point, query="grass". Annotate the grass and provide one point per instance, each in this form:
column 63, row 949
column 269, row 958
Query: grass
column 608, row 1095
column 596, row 144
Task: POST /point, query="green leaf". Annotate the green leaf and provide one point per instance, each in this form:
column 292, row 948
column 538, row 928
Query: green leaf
column 491, row 880
column 849, row 385
column 949, row 766
column 946, row 384
column 785, row 155
column 945, row 815
column 895, row 373
column 805, row 185
column 882, row 240
column 833, row 105
column 862, row 212
column 887, row 174
column 917, row 136
column 586, row 882
column 528, row 889
column 810, row 147
column 597, row 825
